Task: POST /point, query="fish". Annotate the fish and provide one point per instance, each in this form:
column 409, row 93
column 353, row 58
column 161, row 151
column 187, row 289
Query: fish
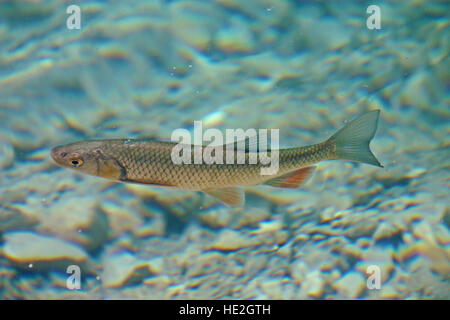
column 148, row 161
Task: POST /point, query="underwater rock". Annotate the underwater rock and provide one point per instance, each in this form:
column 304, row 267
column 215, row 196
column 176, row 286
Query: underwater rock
column 252, row 216
column 27, row 10
column 180, row 203
column 32, row 250
column 268, row 227
column 6, row 154
column 377, row 256
column 13, row 219
column 270, row 12
column 272, row 288
column 120, row 218
column 325, row 33
column 389, row 292
column 298, row 271
column 441, row 234
column 423, row 230
column 214, row 119
column 203, row 263
column 415, row 172
column 313, row 285
column 351, row 285
column 186, row 25
column 216, row 217
column 436, row 257
column 230, row 240
column 267, row 65
column 124, row 268
column 234, row 39
column 385, row 230
column 160, row 283
column 76, row 218
column 154, row 227
column 416, row 91
column 363, row 227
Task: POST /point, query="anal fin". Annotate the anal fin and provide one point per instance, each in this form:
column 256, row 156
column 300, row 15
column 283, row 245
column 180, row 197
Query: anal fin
column 231, row 196
column 292, row 179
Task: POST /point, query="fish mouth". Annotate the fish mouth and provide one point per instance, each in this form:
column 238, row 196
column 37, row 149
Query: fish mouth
column 57, row 154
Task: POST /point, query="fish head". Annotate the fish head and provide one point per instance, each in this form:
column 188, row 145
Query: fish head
column 81, row 156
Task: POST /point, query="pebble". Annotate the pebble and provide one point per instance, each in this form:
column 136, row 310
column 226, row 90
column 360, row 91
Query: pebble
column 120, row 218
column 252, row 216
column 234, row 39
column 124, row 268
column 72, row 213
column 33, row 249
column 423, row 230
column 437, row 256
column 377, row 256
column 272, row 288
column 385, row 230
column 216, row 217
column 214, row 119
column 7, row 154
column 351, row 285
column 415, row 92
column 313, row 285
column 325, row 32
column 271, row 226
column 230, row 240
column 389, row 292
column 415, row 172
column 154, row 227
column 162, row 281
column 187, row 27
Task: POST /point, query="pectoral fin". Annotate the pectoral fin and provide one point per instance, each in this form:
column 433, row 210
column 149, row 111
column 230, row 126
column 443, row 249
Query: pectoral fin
column 292, row 179
column 231, row 196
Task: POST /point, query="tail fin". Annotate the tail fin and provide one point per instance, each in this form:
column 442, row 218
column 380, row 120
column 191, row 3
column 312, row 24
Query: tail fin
column 352, row 141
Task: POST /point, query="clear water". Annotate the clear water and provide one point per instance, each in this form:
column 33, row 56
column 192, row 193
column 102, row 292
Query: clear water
column 144, row 68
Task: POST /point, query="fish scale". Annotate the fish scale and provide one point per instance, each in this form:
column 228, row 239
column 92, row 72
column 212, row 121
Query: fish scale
column 150, row 162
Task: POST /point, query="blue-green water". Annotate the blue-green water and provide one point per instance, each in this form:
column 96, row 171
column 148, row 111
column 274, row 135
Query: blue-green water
column 145, row 68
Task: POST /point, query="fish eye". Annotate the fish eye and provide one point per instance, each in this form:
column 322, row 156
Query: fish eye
column 76, row 162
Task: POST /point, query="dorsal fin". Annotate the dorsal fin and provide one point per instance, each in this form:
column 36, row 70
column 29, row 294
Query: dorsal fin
column 292, row 179
column 231, row 196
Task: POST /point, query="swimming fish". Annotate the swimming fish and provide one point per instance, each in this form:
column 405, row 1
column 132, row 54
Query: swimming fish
column 149, row 162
